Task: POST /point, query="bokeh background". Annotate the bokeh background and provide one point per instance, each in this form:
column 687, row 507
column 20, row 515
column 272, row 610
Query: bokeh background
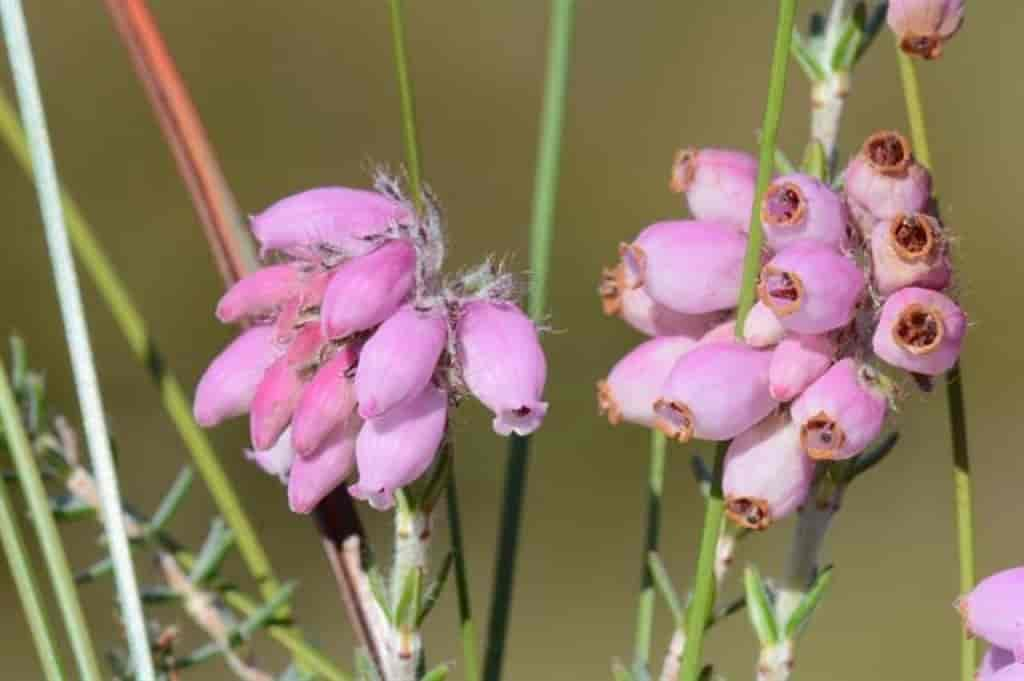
column 298, row 94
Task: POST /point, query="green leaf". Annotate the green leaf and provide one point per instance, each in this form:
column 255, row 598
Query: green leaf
column 798, row 621
column 199, row 655
column 218, row 542
column 872, row 27
column 783, row 164
column 844, row 55
column 438, row 673
column 728, row 610
column 663, row 584
column 433, row 593
column 156, row 595
column 759, row 607
column 169, row 504
column 407, row 606
column 99, row 569
column 19, row 364
column 815, row 164
column 806, row 59
column 264, row 615
column 380, row 593
column 67, row 507
column 871, row 458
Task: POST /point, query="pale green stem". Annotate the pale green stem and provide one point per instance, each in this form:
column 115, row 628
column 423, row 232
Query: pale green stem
column 704, row 582
column 77, row 333
column 954, row 393
column 645, row 604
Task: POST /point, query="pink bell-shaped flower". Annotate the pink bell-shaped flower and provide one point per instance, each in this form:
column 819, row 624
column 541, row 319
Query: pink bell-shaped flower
column 719, row 184
column 315, row 476
column 635, row 307
column 994, row 610
column 368, row 289
column 260, row 294
column 797, row 207
column 909, row 250
column 921, row 331
column 885, row 180
column 327, row 401
column 635, row 382
column 924, row 26
column 279, row 391
column 798, row 361
column 228, row 385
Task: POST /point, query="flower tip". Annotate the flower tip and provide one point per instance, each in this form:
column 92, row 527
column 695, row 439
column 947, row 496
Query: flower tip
column 522, row 420
column 379, row 499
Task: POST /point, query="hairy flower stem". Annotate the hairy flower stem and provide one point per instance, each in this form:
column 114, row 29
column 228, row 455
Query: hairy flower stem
column 954, row 392
column 404, row 645
column 77, row 333
column 545, row 195
column 704, row 582
column 645, row 603
column 829, row 95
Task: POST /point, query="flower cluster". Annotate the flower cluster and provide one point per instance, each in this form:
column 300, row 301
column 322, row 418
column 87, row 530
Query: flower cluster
column 355, row 347
column 994, row 611
column 924, row 26
column 851, row 274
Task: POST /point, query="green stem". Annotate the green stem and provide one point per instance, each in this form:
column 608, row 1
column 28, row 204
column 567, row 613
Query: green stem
column 704, row 582
column 470, row 663
column 46, row 531
column 409, row 136
column 128, row 318
column 545, row 196
column 954, row 393
column 24, row 581
column 645, row 604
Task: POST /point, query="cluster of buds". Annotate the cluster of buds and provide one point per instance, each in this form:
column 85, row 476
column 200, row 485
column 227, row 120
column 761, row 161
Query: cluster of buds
column 852, row 278
column 355, row 347
column 994, row 611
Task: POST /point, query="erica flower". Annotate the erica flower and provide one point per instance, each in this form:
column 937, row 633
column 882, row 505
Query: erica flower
column 767, row 475
column 924, row 26
column 688, row 266
column 798, row 361
column 261, row 293
column 634, row 306
column 995, row 660
column 715, row 392
column 885, row 180
column 279, row 391
column 811, row 288
column 230, row 382
column 909, row 250
column 365, row 291
column 993, row 609
column 762, row 328
column 314, row 476
column 503, row 364
column 635, row 382
column 719, row 184
column 921, row 331
column 797, row 207
column 327, row 401
column 842, row 412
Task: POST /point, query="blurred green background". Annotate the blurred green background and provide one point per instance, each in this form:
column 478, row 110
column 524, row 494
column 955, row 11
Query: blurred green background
column 301, row 93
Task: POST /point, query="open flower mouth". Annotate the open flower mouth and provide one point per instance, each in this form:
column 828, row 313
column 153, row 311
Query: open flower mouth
column 748, row 512
column 821, row 437
column 919, row 329
column 780, row 290
column 634, row 265
column 913, row 237
column 606, row 403
column 674, row 419
column 784, row 205
column 610, row 289
column 888, row 152
column 684, row 170
column 926, row 46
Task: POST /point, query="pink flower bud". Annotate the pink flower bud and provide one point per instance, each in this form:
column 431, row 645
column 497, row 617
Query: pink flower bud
column 396, row 448
column 924, row 26
column 994, row 609
column 688, row 266
column 327, row 401
column 995, row 659
column 1011, row 672
column 277, row 460
column 259, row 294
column 399, row 359
column 767, row 475
column 279, row 391
column 885, row 179
column 337, row 219
column 762, row 328
column 715, row 392
column 229, row 383
column 811, row 288
column 637, row 309
column 842, row 412
column 799, row 207
column 314, row 477
column 797, row 362
column 723, row 332
column 909, row 250
column 503, row 364
column 297, row 312
column 367, row 290
column 921, row 331
column 635, row 382
column 719, row 184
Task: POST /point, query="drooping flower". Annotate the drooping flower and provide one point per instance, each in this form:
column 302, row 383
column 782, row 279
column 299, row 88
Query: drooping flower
column 367, row 290
column 885, row 180
column 921, row 331
column 798, row 361
column 811, row 288
column 635, row 307
column 909, row 250
column 800, row 207
column 715, row 392
column 924, row 26
column 277, row 460
column 719, row 184
column 503, row 364
column 994, row 609
column 635, row 382
column 688, row 266
column 767, row 475
column 394, row 449
column 327, row 401
column 260, row 294
column 762, row 328
column 228, row 385
column 316, row 475
column 281, row 387
column 842, row 412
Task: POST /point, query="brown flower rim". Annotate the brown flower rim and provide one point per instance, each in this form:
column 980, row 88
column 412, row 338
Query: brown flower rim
column 919, row 329
column 793, row 292
column 613, row 281
column 924, row 46
column 819, row 423
column 606, row 403
column 754, row 514
column 914, row 237
column 673, row 432
column 631, row 253
column 888, row 152
column 684, row 170
column 793, row 195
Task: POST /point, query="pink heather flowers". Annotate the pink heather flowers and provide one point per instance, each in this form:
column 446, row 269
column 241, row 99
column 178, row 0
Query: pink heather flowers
column 924, row 26
column 854, row 280
column 994, row 611
column 357, row 348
